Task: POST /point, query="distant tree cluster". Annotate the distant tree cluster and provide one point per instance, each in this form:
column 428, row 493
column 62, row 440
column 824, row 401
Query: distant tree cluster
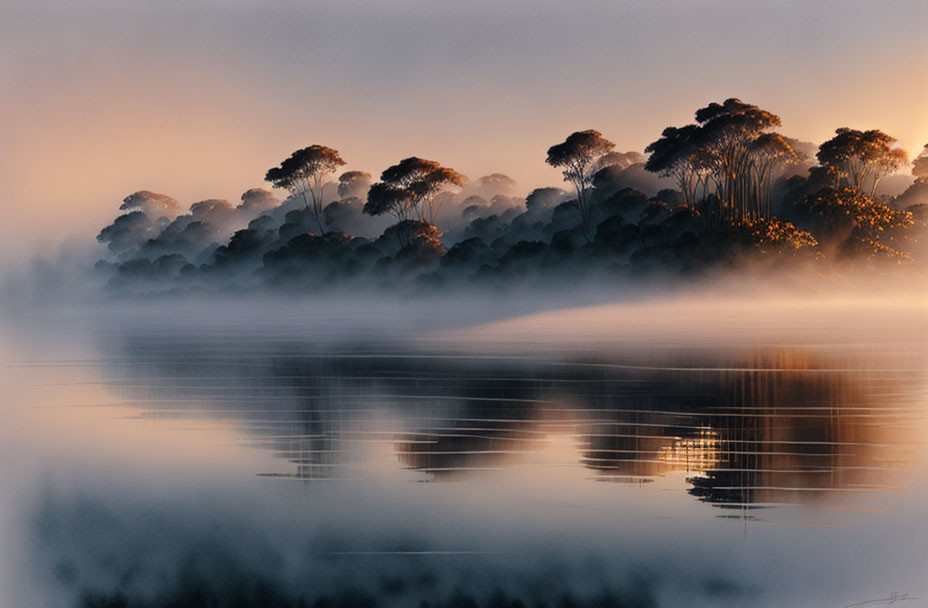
column 725, row 191
column 410, row 189
column 731, row 152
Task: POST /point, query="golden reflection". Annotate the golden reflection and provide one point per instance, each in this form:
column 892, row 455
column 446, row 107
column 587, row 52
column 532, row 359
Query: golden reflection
column 694, row 454
column 746, row 427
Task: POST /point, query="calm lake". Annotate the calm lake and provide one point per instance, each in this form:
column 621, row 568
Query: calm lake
column 646, row 454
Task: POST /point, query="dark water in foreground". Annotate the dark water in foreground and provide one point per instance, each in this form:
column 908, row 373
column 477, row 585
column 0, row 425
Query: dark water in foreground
column 179, row 468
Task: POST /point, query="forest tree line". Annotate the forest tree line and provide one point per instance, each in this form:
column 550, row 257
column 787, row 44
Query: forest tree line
column 726, row 191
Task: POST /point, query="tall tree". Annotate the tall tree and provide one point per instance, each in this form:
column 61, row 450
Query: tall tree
column 578, row 156
column 410, row 189
column 863, row 158
column 304, row 173
column 728, row 132
column 674, row 155
column 768, row 152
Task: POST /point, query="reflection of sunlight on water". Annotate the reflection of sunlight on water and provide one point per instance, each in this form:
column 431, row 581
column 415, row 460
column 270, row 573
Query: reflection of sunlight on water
column 694, row 455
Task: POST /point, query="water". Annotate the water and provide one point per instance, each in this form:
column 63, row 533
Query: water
column 601, row 456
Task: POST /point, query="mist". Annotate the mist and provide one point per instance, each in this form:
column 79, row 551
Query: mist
column 276, row 455
column 500, row 305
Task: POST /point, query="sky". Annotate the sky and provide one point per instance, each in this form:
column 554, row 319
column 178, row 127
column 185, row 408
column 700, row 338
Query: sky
column 197, row 99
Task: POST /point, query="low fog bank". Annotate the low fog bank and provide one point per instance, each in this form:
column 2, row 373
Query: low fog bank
column 723, row 312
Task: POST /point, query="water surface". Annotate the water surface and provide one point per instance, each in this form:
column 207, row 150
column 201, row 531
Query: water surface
column 602, row 456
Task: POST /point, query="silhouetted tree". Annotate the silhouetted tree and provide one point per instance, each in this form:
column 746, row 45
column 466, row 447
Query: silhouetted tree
column 410, row 189
column 674, row 155
column 728, row 131
column 578, row 156
column 767, row 153
column 304, row 173
column 861, row 157
column 416, row 233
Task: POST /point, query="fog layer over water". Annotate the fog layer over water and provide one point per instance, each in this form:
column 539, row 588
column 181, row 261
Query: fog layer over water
column 690, row 451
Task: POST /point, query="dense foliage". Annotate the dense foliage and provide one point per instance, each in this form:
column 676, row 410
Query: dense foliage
column 726, row 191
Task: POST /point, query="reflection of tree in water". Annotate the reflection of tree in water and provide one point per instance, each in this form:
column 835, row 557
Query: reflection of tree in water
column 310, row 406
column 468, row 444
column 492, row 422
column 775, row 425
column 780, row 429
column 790, row 435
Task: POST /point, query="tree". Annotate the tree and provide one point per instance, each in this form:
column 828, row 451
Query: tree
column 151, row 204
column 674, row 155
column 849, row 223
column 768, row 152
column 410, row 189
column 416, row 233
column 304, row 173
column 353, row 184
column 578, row 156
column 211, row 209
column 861, row 157
column 727, row 134
column 774, row 236
column 544, row 198
column 731, row 152
column 920, row 165
column 129, row 231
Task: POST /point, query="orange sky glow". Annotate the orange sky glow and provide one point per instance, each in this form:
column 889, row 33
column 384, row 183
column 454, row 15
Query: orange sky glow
column 199, row 101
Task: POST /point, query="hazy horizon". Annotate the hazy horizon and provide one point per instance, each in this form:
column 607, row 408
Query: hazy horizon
column 198, row 100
